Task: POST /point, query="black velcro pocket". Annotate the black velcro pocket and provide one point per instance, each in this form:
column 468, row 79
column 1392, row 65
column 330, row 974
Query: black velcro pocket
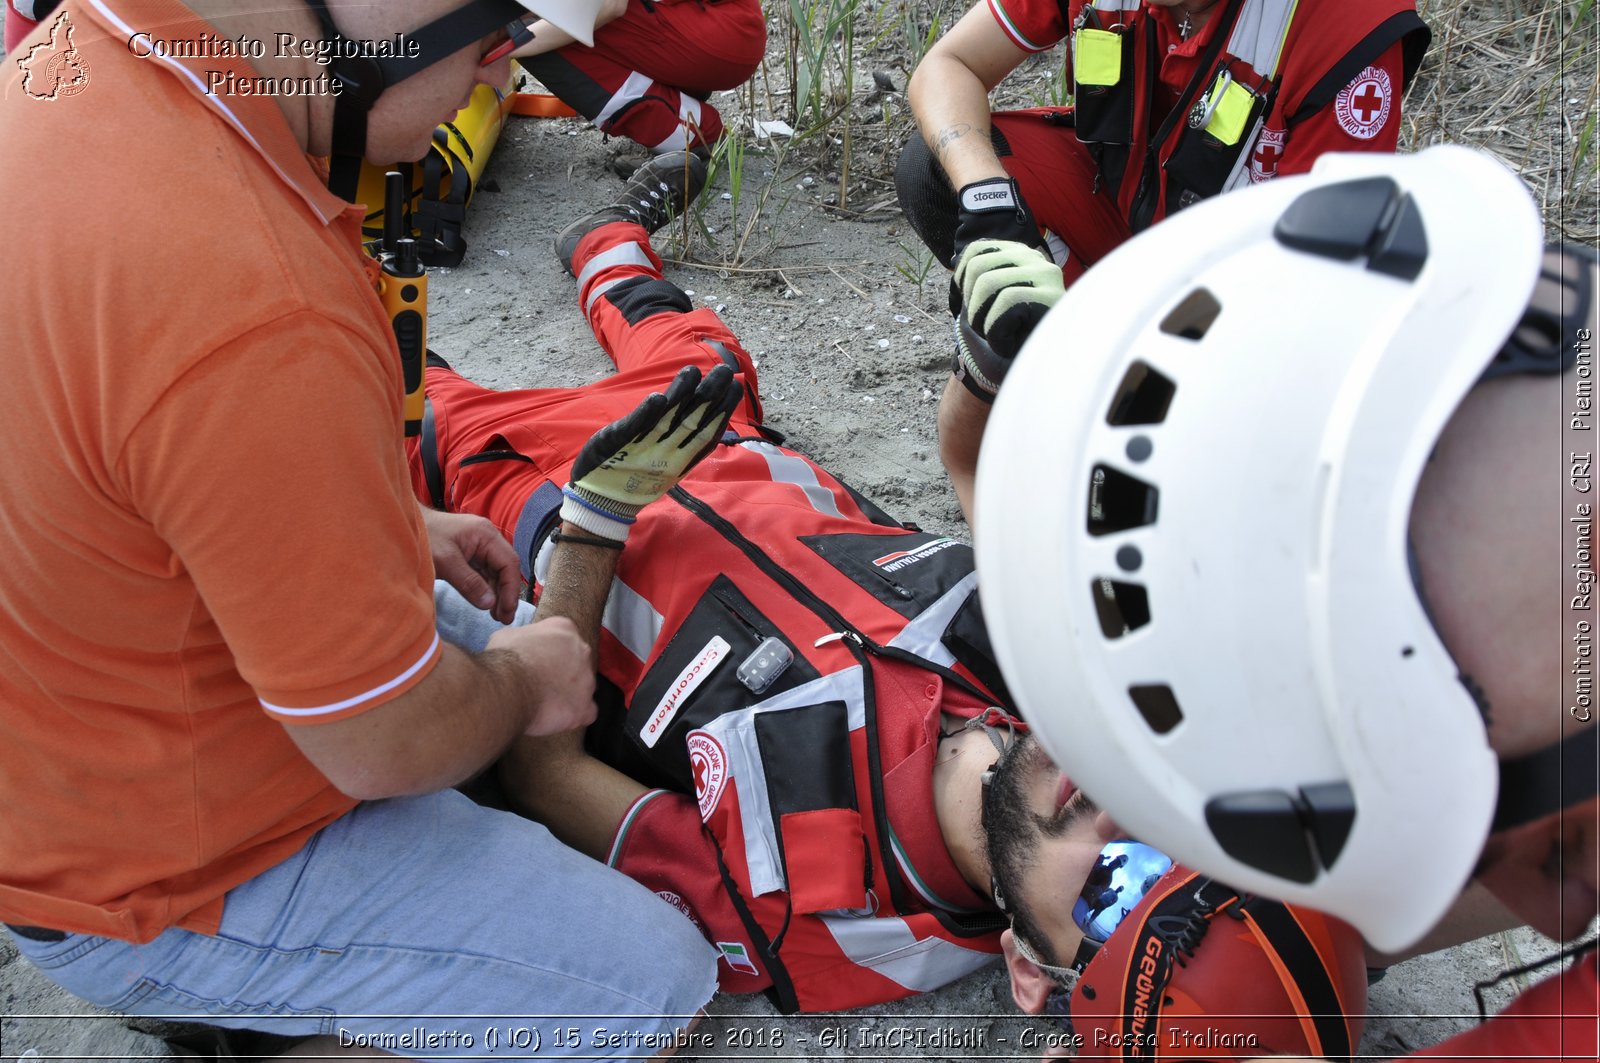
column 695, row 680
column 810, row 784
column 1201, row 163
column 907, row 572
column 967, row 637
column 1103, row 114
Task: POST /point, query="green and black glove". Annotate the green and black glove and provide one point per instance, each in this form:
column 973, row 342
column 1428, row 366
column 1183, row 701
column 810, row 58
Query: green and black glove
column 633, row 461
column 1004, row 282
column 1006, row 289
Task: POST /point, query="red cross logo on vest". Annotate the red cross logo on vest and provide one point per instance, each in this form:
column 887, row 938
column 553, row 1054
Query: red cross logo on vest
column 1269, row 149
column 709, row 763
column 1363, row 106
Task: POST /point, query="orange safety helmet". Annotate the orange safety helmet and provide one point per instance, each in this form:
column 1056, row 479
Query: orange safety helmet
column 1198, row 970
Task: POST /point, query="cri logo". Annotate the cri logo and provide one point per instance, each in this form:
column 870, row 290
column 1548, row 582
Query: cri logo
column 54, row 68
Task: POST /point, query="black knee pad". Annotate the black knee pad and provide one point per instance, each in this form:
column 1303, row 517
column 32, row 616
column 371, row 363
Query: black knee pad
column 642, row 297
column 926, row 199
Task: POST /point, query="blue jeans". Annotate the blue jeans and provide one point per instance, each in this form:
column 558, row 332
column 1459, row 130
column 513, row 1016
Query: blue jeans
column 426, row 926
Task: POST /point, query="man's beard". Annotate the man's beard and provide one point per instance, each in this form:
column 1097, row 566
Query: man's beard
column 1012, row 829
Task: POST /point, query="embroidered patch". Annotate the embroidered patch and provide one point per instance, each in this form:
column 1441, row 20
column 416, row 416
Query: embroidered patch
column 1362, row 106
column 680, row 904
column 903, row 558
column 738, row 957
column 714, row 653
column 1269, row 149
column 709, row 763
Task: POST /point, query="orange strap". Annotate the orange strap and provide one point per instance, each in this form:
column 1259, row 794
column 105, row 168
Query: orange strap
column 539, row 105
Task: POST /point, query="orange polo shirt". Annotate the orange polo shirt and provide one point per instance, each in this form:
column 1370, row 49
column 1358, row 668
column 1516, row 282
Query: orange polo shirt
column 207, row 526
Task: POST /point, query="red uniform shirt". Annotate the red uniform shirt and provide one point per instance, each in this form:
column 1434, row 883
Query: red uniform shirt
column 1555, row 1020
column 1337, row 87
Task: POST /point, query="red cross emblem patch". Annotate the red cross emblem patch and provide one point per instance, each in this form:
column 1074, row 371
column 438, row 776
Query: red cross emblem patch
column 1363, row 105
column 1268, row 150
column 709, row 764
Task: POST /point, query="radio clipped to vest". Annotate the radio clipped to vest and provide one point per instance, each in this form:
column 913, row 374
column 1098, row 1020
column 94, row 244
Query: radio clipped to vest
column 403, row 288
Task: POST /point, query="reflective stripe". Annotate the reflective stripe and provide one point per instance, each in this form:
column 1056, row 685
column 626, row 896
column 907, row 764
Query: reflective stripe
column 736, row 732
column 628, row 254
column 631, row 619
column 350, row 703
column 629, row 616
column 599, row 290
column 887, row 946
column 1259, row 34
column 922, row 635
column 633, row 88
column 786, row 468
column 688, row 119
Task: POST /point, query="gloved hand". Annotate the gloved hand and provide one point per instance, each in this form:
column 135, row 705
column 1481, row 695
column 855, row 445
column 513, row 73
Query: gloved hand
column 993, row 209
column 1006, row 289
column 633, row 461
column 975, row 364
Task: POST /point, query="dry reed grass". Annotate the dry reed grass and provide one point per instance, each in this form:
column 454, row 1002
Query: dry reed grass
column 1517, row 78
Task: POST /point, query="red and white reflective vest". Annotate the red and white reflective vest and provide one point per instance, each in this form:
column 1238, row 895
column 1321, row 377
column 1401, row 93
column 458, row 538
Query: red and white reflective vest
column 1268, row 63
column 777, row 654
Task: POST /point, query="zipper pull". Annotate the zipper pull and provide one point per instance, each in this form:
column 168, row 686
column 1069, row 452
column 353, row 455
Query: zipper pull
column 836, row 637
column 900, row 592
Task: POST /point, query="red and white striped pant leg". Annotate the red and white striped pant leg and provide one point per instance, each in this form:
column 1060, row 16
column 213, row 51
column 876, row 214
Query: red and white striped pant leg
column 647, row 324
column 625, row 102
column 651, row 70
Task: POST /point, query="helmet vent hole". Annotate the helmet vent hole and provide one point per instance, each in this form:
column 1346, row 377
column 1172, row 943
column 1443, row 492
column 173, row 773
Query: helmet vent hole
column 1121, row 607
column 1157, row 705
column 1118, row 502
column 1192, row 318
column 1142, row 398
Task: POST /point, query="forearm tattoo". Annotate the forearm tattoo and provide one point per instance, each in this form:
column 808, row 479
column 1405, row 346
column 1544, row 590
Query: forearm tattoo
column 949, row 135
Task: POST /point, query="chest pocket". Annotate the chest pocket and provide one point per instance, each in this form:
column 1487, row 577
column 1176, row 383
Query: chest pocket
column 1103, row 89
column 809, row 779
column 908, row 573
column 695, row 679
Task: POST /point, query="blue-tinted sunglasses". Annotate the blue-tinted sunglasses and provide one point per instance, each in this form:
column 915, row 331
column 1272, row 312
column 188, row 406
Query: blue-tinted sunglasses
column 1122, row 874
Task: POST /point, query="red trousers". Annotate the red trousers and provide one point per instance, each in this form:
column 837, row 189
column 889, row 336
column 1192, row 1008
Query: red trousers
column 496, row 448
column 649, row 73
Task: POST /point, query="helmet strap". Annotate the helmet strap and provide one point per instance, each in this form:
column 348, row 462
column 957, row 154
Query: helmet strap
column 362, row 78
column 1544, row 782
column 1544, row 340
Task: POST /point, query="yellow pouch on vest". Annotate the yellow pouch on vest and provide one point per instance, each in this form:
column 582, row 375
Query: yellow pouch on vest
column 1096, row 57
column 1230, row 115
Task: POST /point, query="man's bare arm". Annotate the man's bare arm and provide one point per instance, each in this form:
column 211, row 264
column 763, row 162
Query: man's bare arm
column 949, row 94
column 552, row 779
column 463, row 713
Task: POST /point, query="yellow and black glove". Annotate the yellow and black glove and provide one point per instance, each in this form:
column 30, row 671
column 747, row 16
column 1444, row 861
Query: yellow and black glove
column 633, row 461
column 1006, row 289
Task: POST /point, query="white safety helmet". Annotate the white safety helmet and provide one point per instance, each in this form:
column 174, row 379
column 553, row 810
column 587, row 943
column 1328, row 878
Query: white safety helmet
column 574, row 17
column 1193, row 500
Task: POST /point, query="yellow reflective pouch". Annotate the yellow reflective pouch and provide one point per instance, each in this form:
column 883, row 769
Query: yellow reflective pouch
column 1230, row 115
column 1096, row 57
